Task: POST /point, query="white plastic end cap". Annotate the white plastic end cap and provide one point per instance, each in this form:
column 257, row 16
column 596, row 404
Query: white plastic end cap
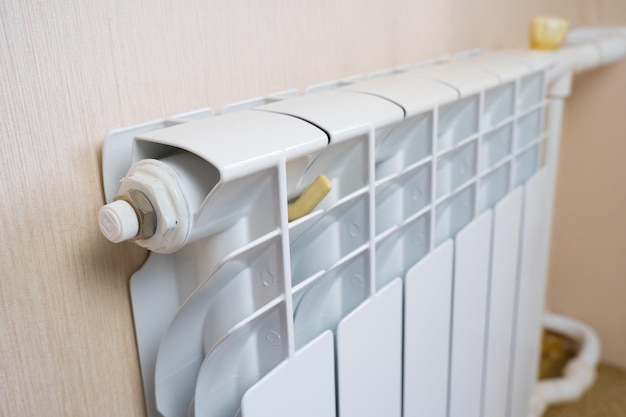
column 118, row 221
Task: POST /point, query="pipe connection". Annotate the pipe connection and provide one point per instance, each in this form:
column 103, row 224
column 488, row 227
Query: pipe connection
column 131, row 216
column 150, row 209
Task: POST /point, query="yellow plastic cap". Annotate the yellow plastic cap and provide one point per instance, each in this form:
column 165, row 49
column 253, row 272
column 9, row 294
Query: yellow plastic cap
column 547, row 33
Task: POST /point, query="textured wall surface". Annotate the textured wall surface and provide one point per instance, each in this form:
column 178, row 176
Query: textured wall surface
column 70, row 71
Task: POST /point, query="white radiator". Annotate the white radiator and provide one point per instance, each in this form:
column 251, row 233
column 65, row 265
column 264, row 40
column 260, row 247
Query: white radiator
column 414, row 287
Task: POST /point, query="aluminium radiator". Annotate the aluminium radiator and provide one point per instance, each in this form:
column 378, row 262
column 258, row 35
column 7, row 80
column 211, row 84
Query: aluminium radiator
column 414, row 283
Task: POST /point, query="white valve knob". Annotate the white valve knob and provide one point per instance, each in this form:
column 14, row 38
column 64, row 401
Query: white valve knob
column 118, row 221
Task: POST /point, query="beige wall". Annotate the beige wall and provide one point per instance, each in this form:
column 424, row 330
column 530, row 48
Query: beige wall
column 70, row 71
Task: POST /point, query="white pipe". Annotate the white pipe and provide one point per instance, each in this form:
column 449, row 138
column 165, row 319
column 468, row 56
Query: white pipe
column 580, row 372
column 612, row 48
column 587, row 34
column 588, row 48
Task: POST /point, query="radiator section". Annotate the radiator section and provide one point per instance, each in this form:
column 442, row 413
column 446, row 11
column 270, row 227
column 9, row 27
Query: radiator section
column 408, row 282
